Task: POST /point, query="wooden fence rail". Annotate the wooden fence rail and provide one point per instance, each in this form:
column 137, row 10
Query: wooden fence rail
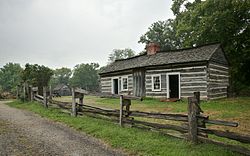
column 192, row 125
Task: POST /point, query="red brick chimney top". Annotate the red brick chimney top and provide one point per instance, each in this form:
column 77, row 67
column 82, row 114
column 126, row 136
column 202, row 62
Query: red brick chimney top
column 152, row 48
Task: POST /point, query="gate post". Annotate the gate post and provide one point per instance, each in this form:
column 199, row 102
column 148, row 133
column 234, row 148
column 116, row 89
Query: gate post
column 73, row 113
column 192, row 120
column 50, row 92
column 197, row 96
column 17, row 92
column 31, row 94
column 45, row 101
column 121, row 110
column 24, row 91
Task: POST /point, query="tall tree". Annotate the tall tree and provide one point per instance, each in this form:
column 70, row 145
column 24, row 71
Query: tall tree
column 121, row 54
column 61, row 76
column 225, row 21
column 201, row 22
column 37, row 75
column 163, row 33
column 85, row 76
column 10, row 76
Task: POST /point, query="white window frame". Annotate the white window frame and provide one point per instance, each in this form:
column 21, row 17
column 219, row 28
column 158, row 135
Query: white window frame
column 179, row 77
column 124, row 77
column 152, row 83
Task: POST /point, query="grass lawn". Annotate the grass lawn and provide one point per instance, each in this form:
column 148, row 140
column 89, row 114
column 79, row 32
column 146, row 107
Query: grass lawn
column 133, row 141
column 232, row 109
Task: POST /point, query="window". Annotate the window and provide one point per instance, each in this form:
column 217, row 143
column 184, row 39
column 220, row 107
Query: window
column 156, row 83
column 124, row 83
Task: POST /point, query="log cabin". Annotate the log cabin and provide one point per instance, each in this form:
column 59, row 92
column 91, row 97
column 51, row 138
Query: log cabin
column 169, row 74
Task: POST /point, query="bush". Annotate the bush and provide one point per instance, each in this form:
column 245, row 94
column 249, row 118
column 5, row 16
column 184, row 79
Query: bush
column 6, row 95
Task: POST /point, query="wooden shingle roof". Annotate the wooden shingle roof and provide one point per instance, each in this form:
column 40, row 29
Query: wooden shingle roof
column 197, row 54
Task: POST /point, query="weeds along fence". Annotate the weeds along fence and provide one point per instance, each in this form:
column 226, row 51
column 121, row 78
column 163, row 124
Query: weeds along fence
column 191, row 126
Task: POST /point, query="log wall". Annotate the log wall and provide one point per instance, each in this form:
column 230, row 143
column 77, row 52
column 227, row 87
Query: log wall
column 106, row 84
column 211, row 79
column 218, row 80
column 192, row 79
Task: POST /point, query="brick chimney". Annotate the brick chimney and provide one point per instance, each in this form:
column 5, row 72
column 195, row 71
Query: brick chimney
column 152, row 48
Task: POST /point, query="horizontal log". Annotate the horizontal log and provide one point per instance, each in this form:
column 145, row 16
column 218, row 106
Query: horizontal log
column 100, row 112
column 229, row 135
column 217, row 66
column 98, row 116
column 175, row 117
column 60, row 102
column 80, row 90
column 184, row 69
column 235, row 148
column 61, row 106
column 220, row 122
column 157, row 126
column 39, row 96
column 38, row 100
column 99, row 108
column 106, row 79
column 217, row 71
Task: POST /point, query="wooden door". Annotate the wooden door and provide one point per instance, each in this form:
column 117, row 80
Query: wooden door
column 139, row 82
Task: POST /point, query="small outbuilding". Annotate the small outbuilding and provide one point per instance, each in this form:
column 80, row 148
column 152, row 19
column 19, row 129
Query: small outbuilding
column 170, row 74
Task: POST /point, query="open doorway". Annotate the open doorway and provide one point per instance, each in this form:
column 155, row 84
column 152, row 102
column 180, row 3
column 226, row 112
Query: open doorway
column 173, row 86
column 115, row 86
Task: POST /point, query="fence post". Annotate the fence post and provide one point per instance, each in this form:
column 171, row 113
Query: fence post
column 31, row 94
column 17, row 92
column 73, row 113
column 201, row 122
column 121, row 110
column 192, row 120
column 24, row 91
column 50, row 92
column 45, row 102
column 80, row 107
column 197, row 96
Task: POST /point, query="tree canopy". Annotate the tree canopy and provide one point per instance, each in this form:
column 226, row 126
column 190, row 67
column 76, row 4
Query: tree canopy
column 85, row 76
column 10, row 76
column 37, row 75
column 201, row 22
column 120, row 54
column 161, row 32
column 61, row 76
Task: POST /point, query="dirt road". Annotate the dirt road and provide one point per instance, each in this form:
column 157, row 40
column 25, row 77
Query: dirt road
column 25, row 133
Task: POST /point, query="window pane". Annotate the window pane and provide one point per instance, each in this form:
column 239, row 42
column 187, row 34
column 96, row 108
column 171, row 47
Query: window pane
column 156, row 81
column 125, row 83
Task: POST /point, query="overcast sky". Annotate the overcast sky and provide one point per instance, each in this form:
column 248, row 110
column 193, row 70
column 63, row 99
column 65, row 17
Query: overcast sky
column 63, row 33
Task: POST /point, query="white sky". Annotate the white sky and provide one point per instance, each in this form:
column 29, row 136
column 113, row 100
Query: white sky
column 63, row 33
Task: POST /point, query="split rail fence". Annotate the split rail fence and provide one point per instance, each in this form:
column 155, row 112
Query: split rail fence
column 192, row 126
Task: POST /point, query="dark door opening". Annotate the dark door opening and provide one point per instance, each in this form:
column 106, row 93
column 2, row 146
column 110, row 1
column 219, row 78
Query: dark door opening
column 115, row 86
column 174, row 86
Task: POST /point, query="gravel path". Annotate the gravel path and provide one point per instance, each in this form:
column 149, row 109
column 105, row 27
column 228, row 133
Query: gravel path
column 25, row 133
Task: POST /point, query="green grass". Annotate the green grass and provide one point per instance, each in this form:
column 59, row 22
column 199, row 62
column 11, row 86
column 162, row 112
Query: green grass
column 232, row 109
column 133, row 141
